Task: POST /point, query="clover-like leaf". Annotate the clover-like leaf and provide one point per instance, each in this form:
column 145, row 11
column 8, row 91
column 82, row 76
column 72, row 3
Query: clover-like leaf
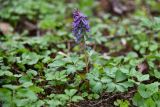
column 148, row 90
column 30, row 58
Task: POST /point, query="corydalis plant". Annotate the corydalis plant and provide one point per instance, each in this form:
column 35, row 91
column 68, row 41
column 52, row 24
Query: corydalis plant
column 80, row 25
column 80, row 29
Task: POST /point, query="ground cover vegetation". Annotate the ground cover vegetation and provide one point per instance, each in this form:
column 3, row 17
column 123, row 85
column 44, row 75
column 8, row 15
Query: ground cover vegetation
column 111, row 57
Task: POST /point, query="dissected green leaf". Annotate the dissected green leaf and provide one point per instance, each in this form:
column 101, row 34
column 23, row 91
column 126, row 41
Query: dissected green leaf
column 148, row 90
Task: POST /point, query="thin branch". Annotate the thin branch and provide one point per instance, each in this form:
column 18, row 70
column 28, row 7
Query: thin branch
column 74, row 105
column 119, row 94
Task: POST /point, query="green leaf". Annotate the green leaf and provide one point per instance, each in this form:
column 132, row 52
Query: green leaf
column 111, row 87
column 54, row 103
column 132, row 55
column 124, row 70
column 97, row 87
column 96, row 96
column 138, row 100
column 25, row 78
column 76, row 98
column 30, row 58
column 148, row 90
column 121, row 103
column 21, row 93
column 149, row 103
column 120, row 76
column 157, row 74
column 106, row 80
column 57, row 63
column 12, row 87
column 153, row 47
column 27, row 84
column 5, row 95
column 120, row 88
column 59, row 76
column 32, row 72
column 143, row 77
column 70, row 92
column 111, row 72
column 80, row 65
column 4, row 72
column 126, row 84
column 71, row 69
column 84, row 94
column 63, row 97
column 36, row 89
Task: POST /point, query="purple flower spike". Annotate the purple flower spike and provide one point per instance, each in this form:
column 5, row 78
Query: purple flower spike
column 80, row 25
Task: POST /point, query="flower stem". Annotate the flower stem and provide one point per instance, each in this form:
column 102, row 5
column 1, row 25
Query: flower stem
column 86, row 60
column 86, row 57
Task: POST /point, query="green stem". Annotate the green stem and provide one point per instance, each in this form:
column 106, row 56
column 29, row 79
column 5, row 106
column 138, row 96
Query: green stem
column 86, row 57
column 13, row 95
column 86, row 61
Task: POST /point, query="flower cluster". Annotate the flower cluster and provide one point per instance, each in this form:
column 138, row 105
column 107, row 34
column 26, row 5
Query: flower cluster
column 80, row 25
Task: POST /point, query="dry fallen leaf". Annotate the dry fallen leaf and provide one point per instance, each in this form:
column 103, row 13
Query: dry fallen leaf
column 5, row 28
column 143, row 67
column 118, row 6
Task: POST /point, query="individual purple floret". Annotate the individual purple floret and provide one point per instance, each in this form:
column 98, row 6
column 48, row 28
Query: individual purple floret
column 80, row 25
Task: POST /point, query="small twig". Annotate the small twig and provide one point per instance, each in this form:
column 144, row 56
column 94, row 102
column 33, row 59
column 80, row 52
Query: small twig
column 119, row 94
column 30, row 25
column 105, row 100
column 68, row 46
column 74, row 105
